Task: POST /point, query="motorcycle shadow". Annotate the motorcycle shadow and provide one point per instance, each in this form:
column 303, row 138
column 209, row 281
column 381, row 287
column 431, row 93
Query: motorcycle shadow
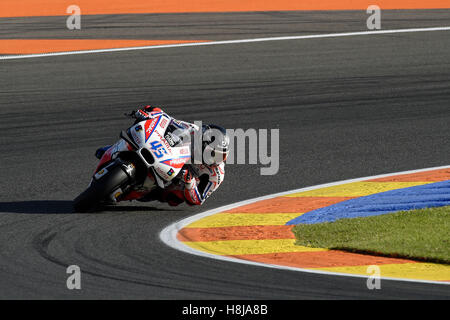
column 37, row 207
column 66, row 207
column 125, row 208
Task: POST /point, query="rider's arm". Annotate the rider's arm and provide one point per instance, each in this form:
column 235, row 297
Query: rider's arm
column 187, row 124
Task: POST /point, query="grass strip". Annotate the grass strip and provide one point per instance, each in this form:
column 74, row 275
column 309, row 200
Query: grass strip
column 422, row 235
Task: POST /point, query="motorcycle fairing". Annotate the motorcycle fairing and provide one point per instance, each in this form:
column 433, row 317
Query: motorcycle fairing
column 112, row 152
column 150, row 134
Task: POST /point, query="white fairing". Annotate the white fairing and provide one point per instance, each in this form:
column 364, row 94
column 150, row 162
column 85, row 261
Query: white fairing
column 150, row 135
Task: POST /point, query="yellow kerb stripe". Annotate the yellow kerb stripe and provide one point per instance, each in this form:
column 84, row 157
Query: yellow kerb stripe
column 356, row 189
column 241, row 247
column 242, row 219
column 420, row 271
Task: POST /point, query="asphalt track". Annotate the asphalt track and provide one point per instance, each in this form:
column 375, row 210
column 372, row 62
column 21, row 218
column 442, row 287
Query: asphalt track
column 346, row 108
column 215, row 26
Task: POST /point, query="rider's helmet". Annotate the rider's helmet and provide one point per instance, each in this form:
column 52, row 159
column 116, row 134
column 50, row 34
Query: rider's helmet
column 215, row 145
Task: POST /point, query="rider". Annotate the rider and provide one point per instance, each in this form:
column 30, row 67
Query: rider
column 197, row 181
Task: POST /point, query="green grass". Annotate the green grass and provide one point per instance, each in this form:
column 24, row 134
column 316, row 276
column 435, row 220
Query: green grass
column 422, row 235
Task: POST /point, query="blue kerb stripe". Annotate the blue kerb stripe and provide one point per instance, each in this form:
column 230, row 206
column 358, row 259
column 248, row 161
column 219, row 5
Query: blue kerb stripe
column 418, row 197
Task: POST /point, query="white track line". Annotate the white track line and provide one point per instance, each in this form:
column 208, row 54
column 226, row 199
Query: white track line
column 169, row 234
column 211, row 43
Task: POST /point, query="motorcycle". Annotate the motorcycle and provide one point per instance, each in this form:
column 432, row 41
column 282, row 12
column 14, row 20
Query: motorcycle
column 147, row 156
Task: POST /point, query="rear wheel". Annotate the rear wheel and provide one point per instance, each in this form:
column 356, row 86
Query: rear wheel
column 101, row 187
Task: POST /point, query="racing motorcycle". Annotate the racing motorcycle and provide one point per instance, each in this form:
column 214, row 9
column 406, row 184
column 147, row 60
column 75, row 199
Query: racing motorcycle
column 147, row 156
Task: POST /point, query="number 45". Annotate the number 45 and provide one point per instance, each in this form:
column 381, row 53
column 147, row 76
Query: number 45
column 158, row 149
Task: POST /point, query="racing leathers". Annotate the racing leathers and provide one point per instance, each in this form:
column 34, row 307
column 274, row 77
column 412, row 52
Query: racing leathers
column 195, row 182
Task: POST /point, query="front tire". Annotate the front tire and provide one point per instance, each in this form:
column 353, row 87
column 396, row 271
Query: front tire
column 100, row 189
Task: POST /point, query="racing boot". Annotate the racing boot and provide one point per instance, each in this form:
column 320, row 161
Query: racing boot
column 101, row 151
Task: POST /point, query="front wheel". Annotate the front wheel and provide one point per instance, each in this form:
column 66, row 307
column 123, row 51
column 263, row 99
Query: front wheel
column 101, row 187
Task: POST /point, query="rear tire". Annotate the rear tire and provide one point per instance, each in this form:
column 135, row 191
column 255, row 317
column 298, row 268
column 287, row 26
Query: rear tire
column 99, row 189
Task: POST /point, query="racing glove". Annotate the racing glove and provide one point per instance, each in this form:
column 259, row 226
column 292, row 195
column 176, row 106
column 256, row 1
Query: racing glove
column 144, row 113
